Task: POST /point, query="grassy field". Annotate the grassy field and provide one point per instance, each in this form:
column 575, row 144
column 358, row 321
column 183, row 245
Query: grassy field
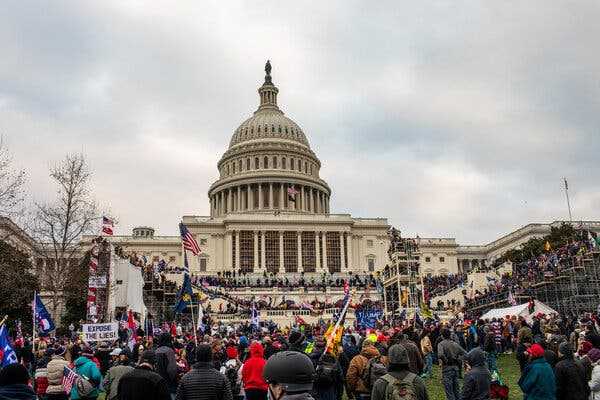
column 509, row 371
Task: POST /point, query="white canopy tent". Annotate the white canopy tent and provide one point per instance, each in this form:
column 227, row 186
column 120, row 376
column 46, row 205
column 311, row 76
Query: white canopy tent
column 521, row 310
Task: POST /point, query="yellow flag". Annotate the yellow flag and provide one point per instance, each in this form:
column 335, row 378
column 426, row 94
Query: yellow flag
column 547, row 246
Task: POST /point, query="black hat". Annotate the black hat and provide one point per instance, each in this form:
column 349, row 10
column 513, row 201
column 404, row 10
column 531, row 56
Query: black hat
column 148, row 357
column 292, row 370
column 203, row 353
column 296, row 337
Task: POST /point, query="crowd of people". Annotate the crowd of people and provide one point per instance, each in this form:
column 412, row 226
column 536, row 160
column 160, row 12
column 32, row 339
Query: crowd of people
column 559, row 358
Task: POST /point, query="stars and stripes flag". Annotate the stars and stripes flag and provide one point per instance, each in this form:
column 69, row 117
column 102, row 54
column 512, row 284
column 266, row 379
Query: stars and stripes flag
column 255, row 316
column 107, row 226
column 69, row 377
column 292, row 192
column 189, row 243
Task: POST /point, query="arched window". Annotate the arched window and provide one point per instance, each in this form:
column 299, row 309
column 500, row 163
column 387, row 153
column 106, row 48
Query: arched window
column 233, row 166
column 256, row 163
column 248, row 164
column 266, row 162
column 279, row 128
column 283, row 163
column 292, row 164
column 274, row 162
column 252, row 131
column 305, row 167
column 240, row 165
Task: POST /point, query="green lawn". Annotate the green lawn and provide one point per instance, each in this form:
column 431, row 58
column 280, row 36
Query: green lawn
column 509, row 371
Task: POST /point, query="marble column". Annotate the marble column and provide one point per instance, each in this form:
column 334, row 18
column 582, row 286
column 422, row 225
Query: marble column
column 250, row 198
column 263, row 252
column 227, row 250
column 229, row 200
column 317, row 253
column 312, row 201
column 302, row 198
column 260, row 196
column 349, row 245
column 271, row 206
column 342, row 253
column 325, row 252
column 281, row 198
column 239, row 198
column 256, row 266
column 300, row 269
column 281, row 266
column 237, row 251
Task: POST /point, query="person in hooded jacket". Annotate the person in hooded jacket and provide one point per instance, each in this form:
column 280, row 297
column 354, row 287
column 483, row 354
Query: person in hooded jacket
column 354, row 377
column 571, row 382
column 56, row 368
column 537, row 381
column 330, row 385
column 255, row 386
column 166, row 364
column 399, row 369
column 476, row 385
column 14, row 383
column 84, row 366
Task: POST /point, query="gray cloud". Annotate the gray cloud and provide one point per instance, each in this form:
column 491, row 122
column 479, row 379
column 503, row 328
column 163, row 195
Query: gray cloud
column 451, row 119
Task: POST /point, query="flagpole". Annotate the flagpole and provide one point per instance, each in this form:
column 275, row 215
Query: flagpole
column 191, row 299
column 568, row 201
column 33, row 321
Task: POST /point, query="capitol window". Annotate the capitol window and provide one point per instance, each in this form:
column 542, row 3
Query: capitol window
column 256, row 163
column 240, row 166
column 203, row 242
column 369, row 243
column 266, row 162
column 292, row 164
column 442, row 259
column 427, row 259
column 283, row 163
column 248, row 164
column 371, row 264
column 274, row 162
column 203, row 265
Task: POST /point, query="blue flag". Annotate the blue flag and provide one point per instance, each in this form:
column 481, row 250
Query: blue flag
column 43, row 319
column 184, row 296
column 10, row 357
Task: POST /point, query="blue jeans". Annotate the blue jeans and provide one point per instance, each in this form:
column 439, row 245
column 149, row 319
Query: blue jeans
column 428, row 364
column 450, row 381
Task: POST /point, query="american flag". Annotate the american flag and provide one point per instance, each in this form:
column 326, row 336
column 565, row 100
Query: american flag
column 292, row 192
column 107, row 226
column 189, row 243
column 69, row 377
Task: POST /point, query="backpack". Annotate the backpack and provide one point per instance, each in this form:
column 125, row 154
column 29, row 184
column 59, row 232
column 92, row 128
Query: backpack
column 325, row 373
column 85, row 387
column 400, row 389
column 231, row 373
column 374, row 370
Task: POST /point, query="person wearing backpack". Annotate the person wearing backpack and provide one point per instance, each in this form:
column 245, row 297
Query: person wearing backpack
column 476, row 385
column 376, row 368
column 329, row 382
column 232, row 371
column 399, row 383
column 356, row 371
column 450, row 354
column 87, row 384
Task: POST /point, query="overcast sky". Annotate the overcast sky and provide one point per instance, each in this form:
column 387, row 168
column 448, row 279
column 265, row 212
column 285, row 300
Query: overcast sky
column 451, row 119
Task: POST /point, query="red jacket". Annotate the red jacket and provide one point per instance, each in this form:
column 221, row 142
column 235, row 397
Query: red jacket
column 252, row 371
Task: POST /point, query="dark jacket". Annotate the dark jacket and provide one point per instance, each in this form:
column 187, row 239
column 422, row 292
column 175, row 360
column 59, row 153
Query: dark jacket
column 204, row 382
column 537, row 381
column 142, row 384
column 450, row 353
column 166, row 366
column 380, row 386
column 16, row 392
column 332, row 391
column 571, row 383
column 476, row 385
column 414, row 355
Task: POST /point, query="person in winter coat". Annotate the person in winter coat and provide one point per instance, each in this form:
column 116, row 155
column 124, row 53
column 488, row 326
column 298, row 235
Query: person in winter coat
column 14, row 383
column 571, row 383
column 115, row 373
column 143, row 383
column 204, row 382
column 329, row 381
column 414, row 355
column 84, row 366
column 450, row 354
column 232, row 370
column 594, row 382
column 166, row 364
column 255, row 385
column 476, row 385
column 399, row 370
column 427, row 351
column 354, row 376
column 55, row 370
column 537, row 381
column 41, row 378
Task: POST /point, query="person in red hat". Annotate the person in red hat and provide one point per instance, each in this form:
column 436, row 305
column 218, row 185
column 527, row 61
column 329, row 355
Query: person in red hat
column 537, row 381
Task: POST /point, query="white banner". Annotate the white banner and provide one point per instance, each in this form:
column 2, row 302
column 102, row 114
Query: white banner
column 100, row 332
column 97, row 281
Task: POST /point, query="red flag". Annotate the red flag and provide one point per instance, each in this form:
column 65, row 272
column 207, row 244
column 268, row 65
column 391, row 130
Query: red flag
column 346, row 287
column 173, row 329
column 130, row 320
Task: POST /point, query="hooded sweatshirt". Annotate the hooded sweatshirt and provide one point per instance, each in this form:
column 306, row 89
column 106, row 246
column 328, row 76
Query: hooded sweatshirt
column 477, row 380
column 86, row 367
column 252, row 371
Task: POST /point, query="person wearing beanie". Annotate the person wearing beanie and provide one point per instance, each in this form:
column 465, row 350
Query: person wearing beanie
column 450, row 354
column 399, row 371
column 204, row 382
column 119, row 368
column 166, row 363
column 232, row 369
column 476, row 385
column 537, row 381
column 143, row 383
column 296, row 341
column 255, row 386
column 14, row 383
column 55, row 369
column 570, row 376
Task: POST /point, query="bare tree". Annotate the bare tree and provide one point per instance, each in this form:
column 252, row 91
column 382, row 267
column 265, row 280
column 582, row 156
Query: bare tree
column 59, row 225
column 12, row 181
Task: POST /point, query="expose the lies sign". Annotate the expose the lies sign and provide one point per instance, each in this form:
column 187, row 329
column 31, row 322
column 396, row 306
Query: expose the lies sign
column 100, row 332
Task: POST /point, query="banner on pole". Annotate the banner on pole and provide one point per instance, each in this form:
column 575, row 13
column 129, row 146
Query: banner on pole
column 97, row 281
column 100, row 332
column 368, row 318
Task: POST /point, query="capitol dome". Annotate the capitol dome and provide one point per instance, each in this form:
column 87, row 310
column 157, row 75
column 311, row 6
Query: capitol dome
column 269, row 165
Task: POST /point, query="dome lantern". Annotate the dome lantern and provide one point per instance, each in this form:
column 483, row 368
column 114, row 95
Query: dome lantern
column 268, row 91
